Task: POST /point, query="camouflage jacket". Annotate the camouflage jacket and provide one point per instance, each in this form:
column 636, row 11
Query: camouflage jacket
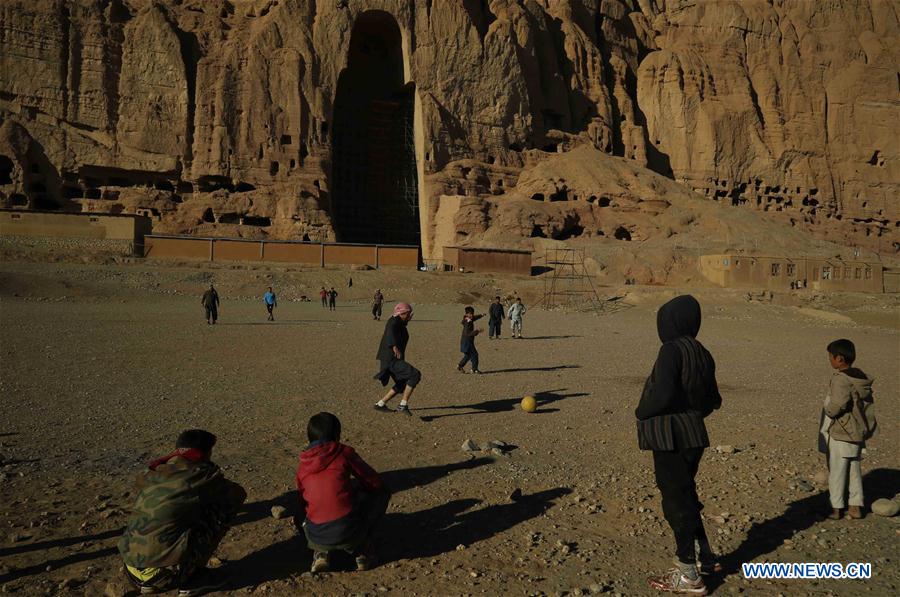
column 172, row 502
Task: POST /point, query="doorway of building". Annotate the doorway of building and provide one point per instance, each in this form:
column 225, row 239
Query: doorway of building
column 374, row 178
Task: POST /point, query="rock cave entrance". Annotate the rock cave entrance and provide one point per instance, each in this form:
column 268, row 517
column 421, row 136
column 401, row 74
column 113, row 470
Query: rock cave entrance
column 374, row 176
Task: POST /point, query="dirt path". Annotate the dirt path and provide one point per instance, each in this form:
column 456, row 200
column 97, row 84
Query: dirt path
column 95, row 384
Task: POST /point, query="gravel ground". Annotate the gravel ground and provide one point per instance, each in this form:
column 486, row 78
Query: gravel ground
column 103, row 365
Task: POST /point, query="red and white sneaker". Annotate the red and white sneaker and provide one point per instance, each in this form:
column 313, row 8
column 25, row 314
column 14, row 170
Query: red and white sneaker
column 673, row 581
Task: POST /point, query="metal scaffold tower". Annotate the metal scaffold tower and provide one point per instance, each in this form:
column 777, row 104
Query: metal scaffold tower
column 569, row 286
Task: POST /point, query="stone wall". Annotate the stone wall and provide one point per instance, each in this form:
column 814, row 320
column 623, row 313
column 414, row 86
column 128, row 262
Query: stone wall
column 215, row 115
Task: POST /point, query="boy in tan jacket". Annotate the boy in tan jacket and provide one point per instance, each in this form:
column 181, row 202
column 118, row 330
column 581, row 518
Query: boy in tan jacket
column 847, row 421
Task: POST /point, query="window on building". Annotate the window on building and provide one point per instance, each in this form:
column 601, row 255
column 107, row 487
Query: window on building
column 847, row 273
column 857, row 273
column 868, row 273
column 826, row 272
column 776, row 269
column 792, row 269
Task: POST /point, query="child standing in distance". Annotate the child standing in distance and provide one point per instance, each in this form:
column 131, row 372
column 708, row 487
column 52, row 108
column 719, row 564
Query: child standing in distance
column 467, row 341
column 516, row 314
column 338, row 513
column 332, row 299
column 271, row 303
column 323, row 294
column 495, row 319
column 377, row 304
column 847, row 421
column 210, row 302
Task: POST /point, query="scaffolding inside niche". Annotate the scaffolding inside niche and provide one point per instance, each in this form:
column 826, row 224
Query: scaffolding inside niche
column 375, row 179
column 568, row 286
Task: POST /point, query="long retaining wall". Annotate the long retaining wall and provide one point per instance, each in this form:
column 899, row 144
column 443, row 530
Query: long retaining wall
column 321, row 254
column 128, row 228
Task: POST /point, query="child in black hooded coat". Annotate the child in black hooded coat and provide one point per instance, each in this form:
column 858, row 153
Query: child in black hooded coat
column 680, row 392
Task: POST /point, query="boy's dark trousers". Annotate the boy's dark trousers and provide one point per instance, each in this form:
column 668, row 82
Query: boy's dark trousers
column 675, row 472
column 269, row 309
column 470, row 353
column 369, row 509
column 212, row 314
column 494, row 328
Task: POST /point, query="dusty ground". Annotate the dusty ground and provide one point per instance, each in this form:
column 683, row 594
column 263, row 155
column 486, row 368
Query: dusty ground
column 102, row 365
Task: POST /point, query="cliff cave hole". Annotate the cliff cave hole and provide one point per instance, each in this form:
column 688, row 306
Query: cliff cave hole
column 286, row 140
column 622, row 233
column 257, row 221
column 273, row 168
column 538, row 197
column 18, row 200
column 603, row 202
column 243, row 187
column 876, row 159
column 560, row 195
column 537, row 232
column 375, row 180
column 231, row 218
column 569, row 231
column 6, row 168
column 208, row 216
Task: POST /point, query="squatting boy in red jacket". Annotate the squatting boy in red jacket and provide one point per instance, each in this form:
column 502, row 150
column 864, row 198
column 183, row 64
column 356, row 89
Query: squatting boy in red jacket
column 340, row 513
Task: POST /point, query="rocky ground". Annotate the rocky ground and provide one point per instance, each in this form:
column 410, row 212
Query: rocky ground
column 102, row 365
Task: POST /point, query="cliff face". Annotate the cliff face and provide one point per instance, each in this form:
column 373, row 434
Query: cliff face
column 224, row 117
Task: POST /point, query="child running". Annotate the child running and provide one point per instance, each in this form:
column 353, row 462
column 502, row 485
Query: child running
column 392, row 358
column 337, row 513
column 271, row 303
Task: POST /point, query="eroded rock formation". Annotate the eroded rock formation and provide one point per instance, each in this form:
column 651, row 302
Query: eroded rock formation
column 268, row 117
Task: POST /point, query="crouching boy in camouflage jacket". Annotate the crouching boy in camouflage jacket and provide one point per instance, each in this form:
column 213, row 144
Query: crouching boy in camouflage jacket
column 183, row 509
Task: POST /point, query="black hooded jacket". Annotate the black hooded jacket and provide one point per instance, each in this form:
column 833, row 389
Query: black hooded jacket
column 682, row 388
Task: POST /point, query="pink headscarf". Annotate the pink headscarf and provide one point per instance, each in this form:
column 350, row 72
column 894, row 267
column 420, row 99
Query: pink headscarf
column 403, row 308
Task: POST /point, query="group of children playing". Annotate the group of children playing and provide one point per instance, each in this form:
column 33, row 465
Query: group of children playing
column 185, row 505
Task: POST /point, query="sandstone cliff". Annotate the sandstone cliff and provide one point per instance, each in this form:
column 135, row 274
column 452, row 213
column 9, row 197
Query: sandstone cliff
column 223, row 117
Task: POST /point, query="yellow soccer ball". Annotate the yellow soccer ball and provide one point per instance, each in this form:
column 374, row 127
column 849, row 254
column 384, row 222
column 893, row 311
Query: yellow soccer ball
column 529, row 404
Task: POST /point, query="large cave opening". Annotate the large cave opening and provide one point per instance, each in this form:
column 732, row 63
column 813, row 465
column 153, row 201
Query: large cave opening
column 375, row 196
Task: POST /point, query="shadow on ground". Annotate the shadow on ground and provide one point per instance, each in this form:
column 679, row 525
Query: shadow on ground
column 767, row 536
column 554, row 368
column 504, row 404
column 438, row 530
column 55, row 563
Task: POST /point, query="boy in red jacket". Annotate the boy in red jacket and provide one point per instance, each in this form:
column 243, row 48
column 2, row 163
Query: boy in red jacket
column 340, row 513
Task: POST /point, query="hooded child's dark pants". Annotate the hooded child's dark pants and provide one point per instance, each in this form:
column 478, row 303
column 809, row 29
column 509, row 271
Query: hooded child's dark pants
column 675, row 472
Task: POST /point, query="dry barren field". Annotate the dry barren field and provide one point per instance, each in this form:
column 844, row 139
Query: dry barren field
column 102, row 366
